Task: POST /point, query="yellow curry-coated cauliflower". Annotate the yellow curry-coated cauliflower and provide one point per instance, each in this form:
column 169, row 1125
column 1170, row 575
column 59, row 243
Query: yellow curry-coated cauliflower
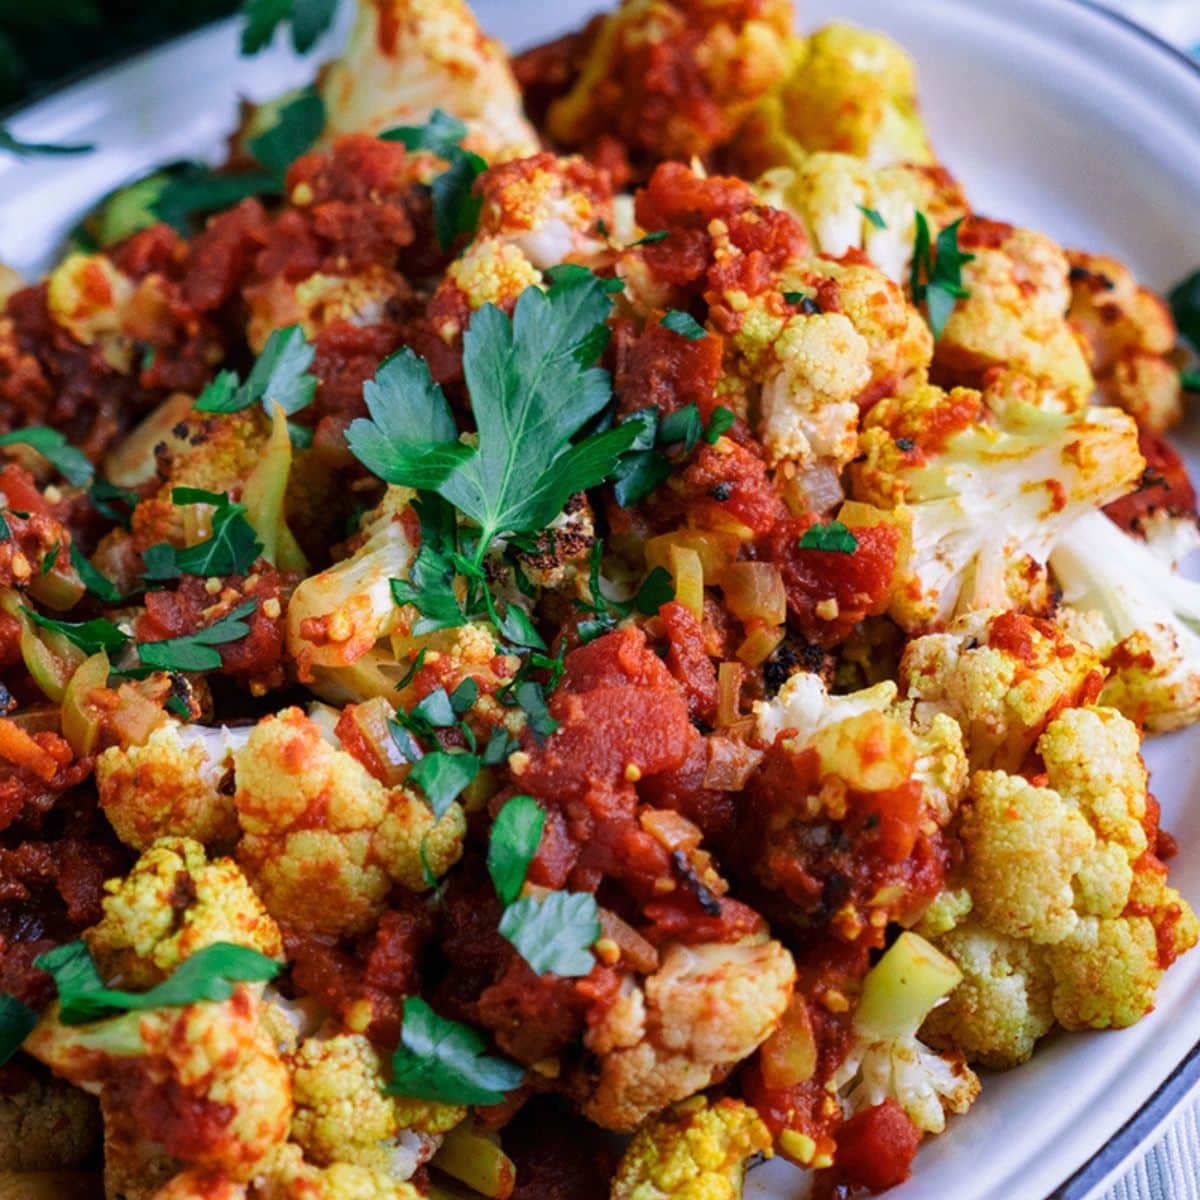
column 1140, row 614
column 1001, row 677
column 1015, row 312
column 1071, row 912
column 1131, row 334
column 342, row 1113
column 705, row 1009
column 832, row 195
column 984, row 485
column 172, row 785
column 171, row 904
column 337, row 616
column 88, row 297
column 1002, row 1006
column 803, row 373
column 407, row 57
column 210, row 1061
column 694, row 1151
column 46, row 1125
column 850, row 90
column 727, row 54
column 323, row 840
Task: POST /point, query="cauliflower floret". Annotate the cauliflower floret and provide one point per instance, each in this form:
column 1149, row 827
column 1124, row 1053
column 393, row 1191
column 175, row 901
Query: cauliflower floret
column 171, row 904
column 336, row 617
column 1001, row 677
column 824, row 802
column 852, row 91
column 1015, row 312
column 671, row 79
column 1140, row 614
column 1000, row 1010
column 707, row 1007
column 886, row 1061
column 46, row 1125
column 694, row 1151
column 91, row 299
column 210, row 1061
column 323, row 840
column 1064, row 875
column 985, row 488
column 1024, row 846
column 1131, row 334
column 342, row 1113
column 171, row 786
column 829, row 193
column 406, row 58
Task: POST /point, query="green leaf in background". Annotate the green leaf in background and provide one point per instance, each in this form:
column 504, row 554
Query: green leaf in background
column 16, row 1024
column 308, row 20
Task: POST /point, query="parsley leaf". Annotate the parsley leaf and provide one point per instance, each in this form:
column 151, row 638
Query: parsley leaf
column 101, row 492
column 936, row 273
column 193, row 651
column 516, row 834
column 443, row 775
column 554, row 933
column 640, row 470
column 455, row 205
column 298, row 123
column 1190, row 381
column 190, row 189
column 445, row 1061
column 657, row 589
column 16, row 1024
column 649, row 239
column 684, row 324
column 531, row 390
column 500, row 745
column 209, row 974
column 834, row 536
column 720, row 424
column 22, row 149
column 98, row 584
column 90, row 636
column 69, row 461
column 532, row 699
column 872, row 215
column 308, row 19
column 5, row 529
column 280, row 376
column 230, row 549
column 1184, row 298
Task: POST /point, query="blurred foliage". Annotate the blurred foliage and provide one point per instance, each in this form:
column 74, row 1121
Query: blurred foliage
column 43, row 41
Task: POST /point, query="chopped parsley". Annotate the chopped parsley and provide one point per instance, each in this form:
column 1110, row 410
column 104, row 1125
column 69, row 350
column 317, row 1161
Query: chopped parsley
column 720, row 424
column 308, row 20
column 649, row 239
column 185, row 191
column 833, row 536
column 194, row 651
column 90, row 636
column 554, row 933
column 872, row 215
column 684, row 324
column 279, row 376
column 16, row 1024
column 936, row 274
column 515, row 837
column 443, row 776
column 644, row 466
column 297, row 125
column 455, row 206
column 1190, row 381
column 102, row 492
column 657, row 589
column 446, row 1062
column 69, row 461
column 231, row 548
column 51, row 558
column 1184, row 298
column 209, row 974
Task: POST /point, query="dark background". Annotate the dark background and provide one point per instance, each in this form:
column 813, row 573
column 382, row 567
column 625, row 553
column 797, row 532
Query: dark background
column 44, row 41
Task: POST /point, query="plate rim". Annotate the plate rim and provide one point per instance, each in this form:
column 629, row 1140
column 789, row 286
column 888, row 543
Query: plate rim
column 1146, row 1125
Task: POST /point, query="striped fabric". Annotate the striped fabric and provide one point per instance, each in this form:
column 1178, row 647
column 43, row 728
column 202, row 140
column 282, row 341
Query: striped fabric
column 1170, row 1170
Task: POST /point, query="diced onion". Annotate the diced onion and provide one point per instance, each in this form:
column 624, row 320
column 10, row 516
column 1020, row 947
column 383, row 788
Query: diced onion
column 814, row 489
column 754, row 592
column 370, row 719
column 636, row 952
column 789, row 1055
column 730, row 763
column 714, row 549
column 760, row 645
column 688, row 574
column 81, row 719
column 729, row 693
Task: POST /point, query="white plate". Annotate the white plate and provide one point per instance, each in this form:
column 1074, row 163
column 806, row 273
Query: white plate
column 1052, row 114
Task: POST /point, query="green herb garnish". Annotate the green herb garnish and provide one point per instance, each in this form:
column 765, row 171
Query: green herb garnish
column 936, row 274
column 69, row 461
column 684, row 324
column 16, row 1023
column 279, row 376
column 872, row 215
column 554, row 933
column 516, row 834
column 194, row 651
column 308, row 19
column 834, row 536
